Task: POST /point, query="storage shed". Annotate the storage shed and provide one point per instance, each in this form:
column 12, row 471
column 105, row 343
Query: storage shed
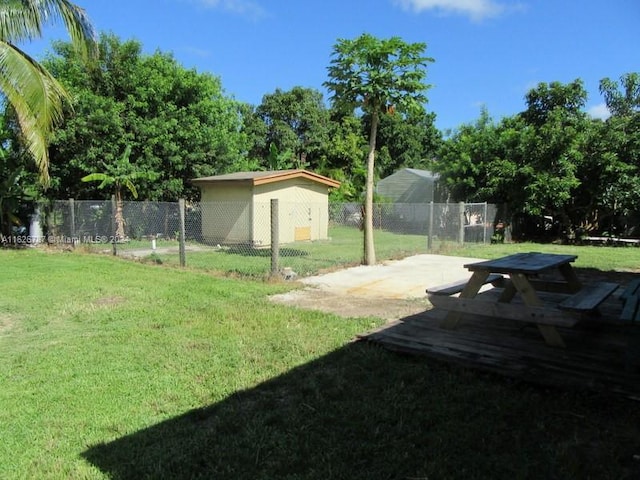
column 411, row 185
column 236, row 208
column 409, row 191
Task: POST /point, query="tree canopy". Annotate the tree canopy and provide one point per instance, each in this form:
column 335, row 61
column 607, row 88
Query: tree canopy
column 297, row 121
column 553, row 160
column 178, row 122
column 622, row 103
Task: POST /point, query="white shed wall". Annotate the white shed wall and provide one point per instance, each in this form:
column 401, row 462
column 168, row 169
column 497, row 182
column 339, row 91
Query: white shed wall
column 303, row 207
column 226, row 214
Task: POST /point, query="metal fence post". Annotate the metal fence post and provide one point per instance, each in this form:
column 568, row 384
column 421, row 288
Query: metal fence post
column 275, row 237
column 484, row 223
column 183, row 249
column 72, row 210
column 461, row 233
column 113, row 225
column 430, row 228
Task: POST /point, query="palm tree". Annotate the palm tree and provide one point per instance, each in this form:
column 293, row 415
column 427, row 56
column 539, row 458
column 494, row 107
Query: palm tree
column 28, row 87
column 121, row 175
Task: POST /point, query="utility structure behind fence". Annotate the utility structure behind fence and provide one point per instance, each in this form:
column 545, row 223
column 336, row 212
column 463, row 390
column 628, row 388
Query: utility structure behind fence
column 277, row 237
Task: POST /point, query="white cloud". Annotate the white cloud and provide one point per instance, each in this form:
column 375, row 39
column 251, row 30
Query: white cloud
column 476, row 9
column 197, row 52
column 599, row 111
column 246, row 8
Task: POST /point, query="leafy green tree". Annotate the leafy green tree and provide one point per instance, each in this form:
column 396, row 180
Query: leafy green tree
column 408, row 140
column 529, row 161
column 120, row 174
column 548, row 98
column 609, row 193
column 553, row 142
column 296, row 121
column 609, row 188
column 294, row 129
column 466, row 158
column 552, row 159
column 378, row 77
column 178, row 122
column 254, row 130
column 342, row 158
column 17, row 194
column 31, row 90
column 19, row 187
column 623, row 103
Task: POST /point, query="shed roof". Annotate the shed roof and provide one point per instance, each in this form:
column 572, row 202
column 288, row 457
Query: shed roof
column 409, row 185
column 423, row 173
column 262, row 178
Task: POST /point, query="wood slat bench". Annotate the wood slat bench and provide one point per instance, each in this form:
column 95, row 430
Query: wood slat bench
column 589, row 298
column 631, row 299
column 518, row 312
column 632, row 288
column 631, row 315
column 456, row 287
column 630, row 309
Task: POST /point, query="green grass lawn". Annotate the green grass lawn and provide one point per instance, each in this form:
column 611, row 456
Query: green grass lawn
column 343, row 248
column 624, row 259
column 118, row 369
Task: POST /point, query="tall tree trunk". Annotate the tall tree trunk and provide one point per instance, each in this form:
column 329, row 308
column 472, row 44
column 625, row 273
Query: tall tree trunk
column 369, row 247
column 119, row 216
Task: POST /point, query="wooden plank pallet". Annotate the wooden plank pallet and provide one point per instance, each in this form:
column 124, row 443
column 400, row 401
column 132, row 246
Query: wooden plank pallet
column 594, row 357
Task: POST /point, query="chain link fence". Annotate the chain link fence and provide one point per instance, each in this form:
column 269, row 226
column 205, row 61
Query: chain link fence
column 260, row 239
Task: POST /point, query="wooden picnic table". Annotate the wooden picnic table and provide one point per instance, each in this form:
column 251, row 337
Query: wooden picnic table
column 521, row 274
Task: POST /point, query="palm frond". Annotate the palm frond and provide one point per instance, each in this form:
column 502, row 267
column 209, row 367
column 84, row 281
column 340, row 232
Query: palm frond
column 95, row 177
column 22, row 20
column 131, row 187
column 103, row 178
column 37, row 99
column 34, row 94
column 19, row 21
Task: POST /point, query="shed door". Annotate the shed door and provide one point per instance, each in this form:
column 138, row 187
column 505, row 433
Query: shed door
column 302, row 223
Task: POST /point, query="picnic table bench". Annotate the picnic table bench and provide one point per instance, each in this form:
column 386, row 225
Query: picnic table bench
column 495, row 279
column 589, row 298
column 631, row 300
column 631, row 315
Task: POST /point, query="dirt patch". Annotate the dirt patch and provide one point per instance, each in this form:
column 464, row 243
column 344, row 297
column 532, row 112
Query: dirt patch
column 395, row 289
column 6, row 323
column 351, row 306
column 357, row 303
column 108, row 301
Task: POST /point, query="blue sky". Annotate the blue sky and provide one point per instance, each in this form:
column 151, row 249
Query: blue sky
column 487, row 52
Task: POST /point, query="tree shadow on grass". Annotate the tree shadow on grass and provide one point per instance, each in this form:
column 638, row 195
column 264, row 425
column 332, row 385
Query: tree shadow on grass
column 364, row 413
column 587, row 275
